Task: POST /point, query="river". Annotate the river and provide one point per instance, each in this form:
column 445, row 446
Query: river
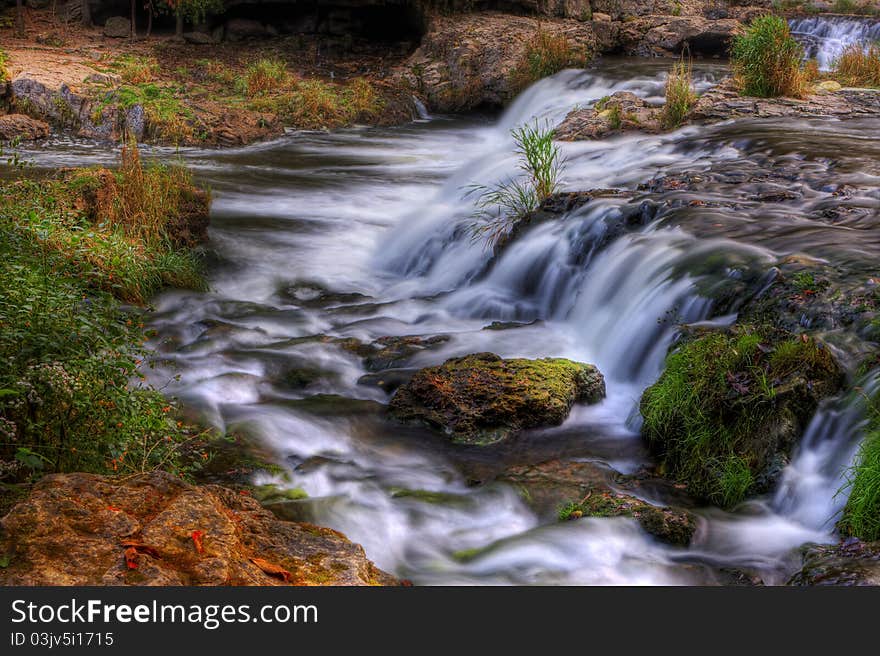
column 363, row 234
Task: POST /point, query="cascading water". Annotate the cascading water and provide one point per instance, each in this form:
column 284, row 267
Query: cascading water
column 826, row 37
column 364, row 233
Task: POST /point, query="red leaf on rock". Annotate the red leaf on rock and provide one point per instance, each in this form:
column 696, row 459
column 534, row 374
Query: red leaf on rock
column 272, row 569
column 131, row 558
column 197, row 540
column 140, row 547
column 114, row 508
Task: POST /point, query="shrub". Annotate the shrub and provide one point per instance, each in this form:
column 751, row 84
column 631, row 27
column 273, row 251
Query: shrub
column 500, row 206
column 859, row 66
column 766, row 59
column 264, row 76
column 136, row 70
column 4, row 70
column 545, row 54
column 680, row 96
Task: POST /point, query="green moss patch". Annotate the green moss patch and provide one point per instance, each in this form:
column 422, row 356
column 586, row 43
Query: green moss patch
column 482, row 398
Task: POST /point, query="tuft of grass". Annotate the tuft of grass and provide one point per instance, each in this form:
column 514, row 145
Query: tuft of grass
column 135, row 70
column 167, row 118
column 264, row 76
column 861, row 516
column 680, row 95
column 859, row 66
column 4, row 70
column 767, row 59
column 501, row 206
column 845, row 6
column 546, row 54
column 711, row 415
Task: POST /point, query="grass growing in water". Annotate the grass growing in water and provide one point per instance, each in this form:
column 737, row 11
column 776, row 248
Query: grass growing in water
column 500, row 206
column 861, row 516
column 545, row 55
column 858, row 66
column 680, row 96
column 767, row 59
column 724, row 402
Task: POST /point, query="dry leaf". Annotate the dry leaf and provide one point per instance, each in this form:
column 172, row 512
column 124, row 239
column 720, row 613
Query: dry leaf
column 131, row 558
column 272, row 570
column 140, row 547
column 197, row 540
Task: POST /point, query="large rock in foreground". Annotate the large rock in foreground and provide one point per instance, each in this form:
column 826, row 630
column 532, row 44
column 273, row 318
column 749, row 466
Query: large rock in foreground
column 482, row 398
column 852, row 562
column 19, row 126
column 154, row 529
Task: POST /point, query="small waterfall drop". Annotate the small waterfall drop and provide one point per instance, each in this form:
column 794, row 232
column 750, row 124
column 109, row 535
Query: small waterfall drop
column 825, row 37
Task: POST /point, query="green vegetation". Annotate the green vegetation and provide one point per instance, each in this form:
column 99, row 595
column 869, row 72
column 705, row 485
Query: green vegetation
column 680, row 96
column 767, row 59
column 263, row 76
column 861, row 516
column 70, row 395
column 845, row 6
column 501, row 206
column 4, row 71
column 727, row 406
column 167, row 117
column 546, row 54
column 859, row 66
column 135, row 70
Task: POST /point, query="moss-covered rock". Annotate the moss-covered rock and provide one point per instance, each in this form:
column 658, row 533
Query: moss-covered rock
column 482, row 398
column 571, row 490
column 852, row 562
column 729, row 407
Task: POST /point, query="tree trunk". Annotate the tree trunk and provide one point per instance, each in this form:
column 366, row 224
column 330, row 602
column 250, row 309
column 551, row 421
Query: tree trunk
column 19, row 17
column 134, row 30
column 86, row 13
column 178, row 28
column 149, row 8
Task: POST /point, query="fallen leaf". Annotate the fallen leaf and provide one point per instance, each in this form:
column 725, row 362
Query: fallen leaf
column 114, row 508
column 140, row 547
column 271, row 569
column 131, row 558
column 197, row 540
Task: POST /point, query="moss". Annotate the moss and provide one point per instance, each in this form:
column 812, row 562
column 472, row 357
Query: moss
column 271, row 492
column 667, row 524
column 481, row 398
column 729, row 406
column 428, row 496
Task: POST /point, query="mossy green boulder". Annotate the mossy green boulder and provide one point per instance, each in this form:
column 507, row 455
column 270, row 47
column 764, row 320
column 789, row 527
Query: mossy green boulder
column 729, row 407
column 482, row 398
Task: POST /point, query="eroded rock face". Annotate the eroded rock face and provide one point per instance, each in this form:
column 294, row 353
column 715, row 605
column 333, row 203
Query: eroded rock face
column 19, row 126
column 572, row 490
column 664, row 35
column 482, row 398
column 153, row 529
column 852, row 562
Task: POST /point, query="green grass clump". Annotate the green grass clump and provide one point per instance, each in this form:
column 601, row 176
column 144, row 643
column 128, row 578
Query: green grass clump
column 501, row 206
column 861, row 516
column 680, row 96
column 728, row 404
column 264, row 76
column 4, row 70
column 314, row 104
column 546, row 54
column 845, row 6
column 859, row 66
column 167, row 117
column 115, row 231
column 767, row 59
column 133, row 69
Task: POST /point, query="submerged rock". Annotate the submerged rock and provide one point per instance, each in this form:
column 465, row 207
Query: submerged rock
column 852, row 562
column 729, row 407
column 154, row 529
column 572, row 490
column 482, row 398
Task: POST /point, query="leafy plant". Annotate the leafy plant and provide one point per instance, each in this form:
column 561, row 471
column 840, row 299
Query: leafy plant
column 500, row 206
column 767, row 59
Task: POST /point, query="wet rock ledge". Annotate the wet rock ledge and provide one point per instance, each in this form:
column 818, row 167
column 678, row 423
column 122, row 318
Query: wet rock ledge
column 154, row 529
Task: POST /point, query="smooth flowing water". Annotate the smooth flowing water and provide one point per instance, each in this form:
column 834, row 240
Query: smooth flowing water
column 826, row 37
column 364, row 234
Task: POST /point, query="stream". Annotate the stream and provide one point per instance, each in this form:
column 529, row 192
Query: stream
column 363, row 233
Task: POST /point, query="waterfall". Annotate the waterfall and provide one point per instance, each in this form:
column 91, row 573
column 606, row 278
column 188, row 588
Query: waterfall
column 825, row 38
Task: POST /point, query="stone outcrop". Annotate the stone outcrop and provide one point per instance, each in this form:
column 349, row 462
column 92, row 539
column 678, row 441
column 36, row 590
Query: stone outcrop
column 482, row 398
column 117, row 27
column 154, row 529
column 572, row 490
column 620, row 112
column 19, row 126
column 852, row 562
